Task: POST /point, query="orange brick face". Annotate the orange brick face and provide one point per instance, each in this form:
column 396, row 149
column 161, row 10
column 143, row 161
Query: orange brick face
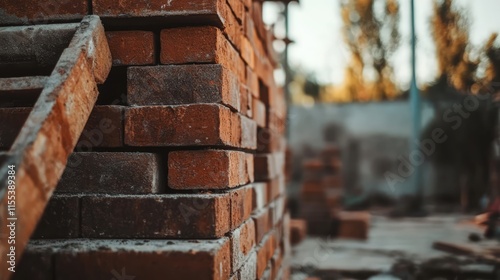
column 131, row 47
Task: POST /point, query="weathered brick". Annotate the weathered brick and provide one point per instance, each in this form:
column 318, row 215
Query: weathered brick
column 249, row 269
column 268, row 166
column 269, row 141
column 131, row 47
column 205, row 44
column 276, row 262
column 113, row 173
column 241, row 205
column 262, row 224
column 12, row 121
column 208, row 169
column 104, row 128
column 264, row 253
column 186, row 125
column 260, row 196
column 24, row 12
column 60, row 219
column 148, row 259
column 252, row 82
column 242, row 244
column 259, row 112
column 156, row 216
column 248, row 129
column 202, row 10
column 182, row 84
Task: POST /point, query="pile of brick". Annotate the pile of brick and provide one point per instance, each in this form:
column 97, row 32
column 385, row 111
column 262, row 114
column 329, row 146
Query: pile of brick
column 321, row 192
column 321, row 199
column 179, row 173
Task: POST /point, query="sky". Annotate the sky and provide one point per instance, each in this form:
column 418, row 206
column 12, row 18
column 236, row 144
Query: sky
column 315, row 26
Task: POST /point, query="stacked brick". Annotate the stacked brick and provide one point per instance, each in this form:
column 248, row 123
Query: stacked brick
column 179, row 173
column 321, row 192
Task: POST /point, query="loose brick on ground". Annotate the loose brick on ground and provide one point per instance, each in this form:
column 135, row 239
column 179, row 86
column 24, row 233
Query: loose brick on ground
column 113, row 173
column 156, row 216
column 353, row 225
column 298, row 231
column 131, row 47
column 208, row 169
column 183, row 84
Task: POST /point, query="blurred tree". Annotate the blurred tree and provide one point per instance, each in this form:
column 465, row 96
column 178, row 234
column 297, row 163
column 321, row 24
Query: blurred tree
column 450, row 29
column 492, row 73
column 312, row 88
column 372, row 36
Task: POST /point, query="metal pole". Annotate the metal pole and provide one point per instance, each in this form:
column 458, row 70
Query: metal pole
column 287, row 72
column 415, row 104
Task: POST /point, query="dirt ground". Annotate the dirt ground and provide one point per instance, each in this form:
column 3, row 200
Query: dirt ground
column 395, row 249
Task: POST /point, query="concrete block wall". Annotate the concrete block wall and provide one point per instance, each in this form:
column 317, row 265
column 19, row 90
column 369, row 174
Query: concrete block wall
column 179, row 173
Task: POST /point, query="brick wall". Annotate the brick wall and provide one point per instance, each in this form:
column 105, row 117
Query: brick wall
column 179, row 173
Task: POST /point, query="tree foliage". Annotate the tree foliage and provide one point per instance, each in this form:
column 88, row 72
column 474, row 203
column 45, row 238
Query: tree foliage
column 371, row 32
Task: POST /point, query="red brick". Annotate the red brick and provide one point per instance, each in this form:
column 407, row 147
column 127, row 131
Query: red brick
column 264, row 253
column 249, row 269
column 131, row 47
column 241, row 205
column 205, row 44
column 269, row 141
column 113, row 173
column 104, row 128
column 187, row 125
column 262, row 224
column 156, row 216
column 353, row 225
column 12, row 121
column 252, row 82
column 298, row 231
column 156, row 8
column 182, row 84
column 268, row 166
column 248, row 129
column 259, row 112
column 61, row 218
column 276, row 262
column 207, row 169
column 260, row 196
column 247, row 52
column 30, row 11
column 147, row 259
column 276, row 187
column 242, row 244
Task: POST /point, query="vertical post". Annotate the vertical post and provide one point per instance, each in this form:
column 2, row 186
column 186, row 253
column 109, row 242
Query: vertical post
column 415, row 105
column 286, row 67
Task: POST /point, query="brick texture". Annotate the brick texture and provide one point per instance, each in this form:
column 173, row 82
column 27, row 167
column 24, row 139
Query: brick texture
column 208, row 169
column 131, row 47
column 113, row 173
